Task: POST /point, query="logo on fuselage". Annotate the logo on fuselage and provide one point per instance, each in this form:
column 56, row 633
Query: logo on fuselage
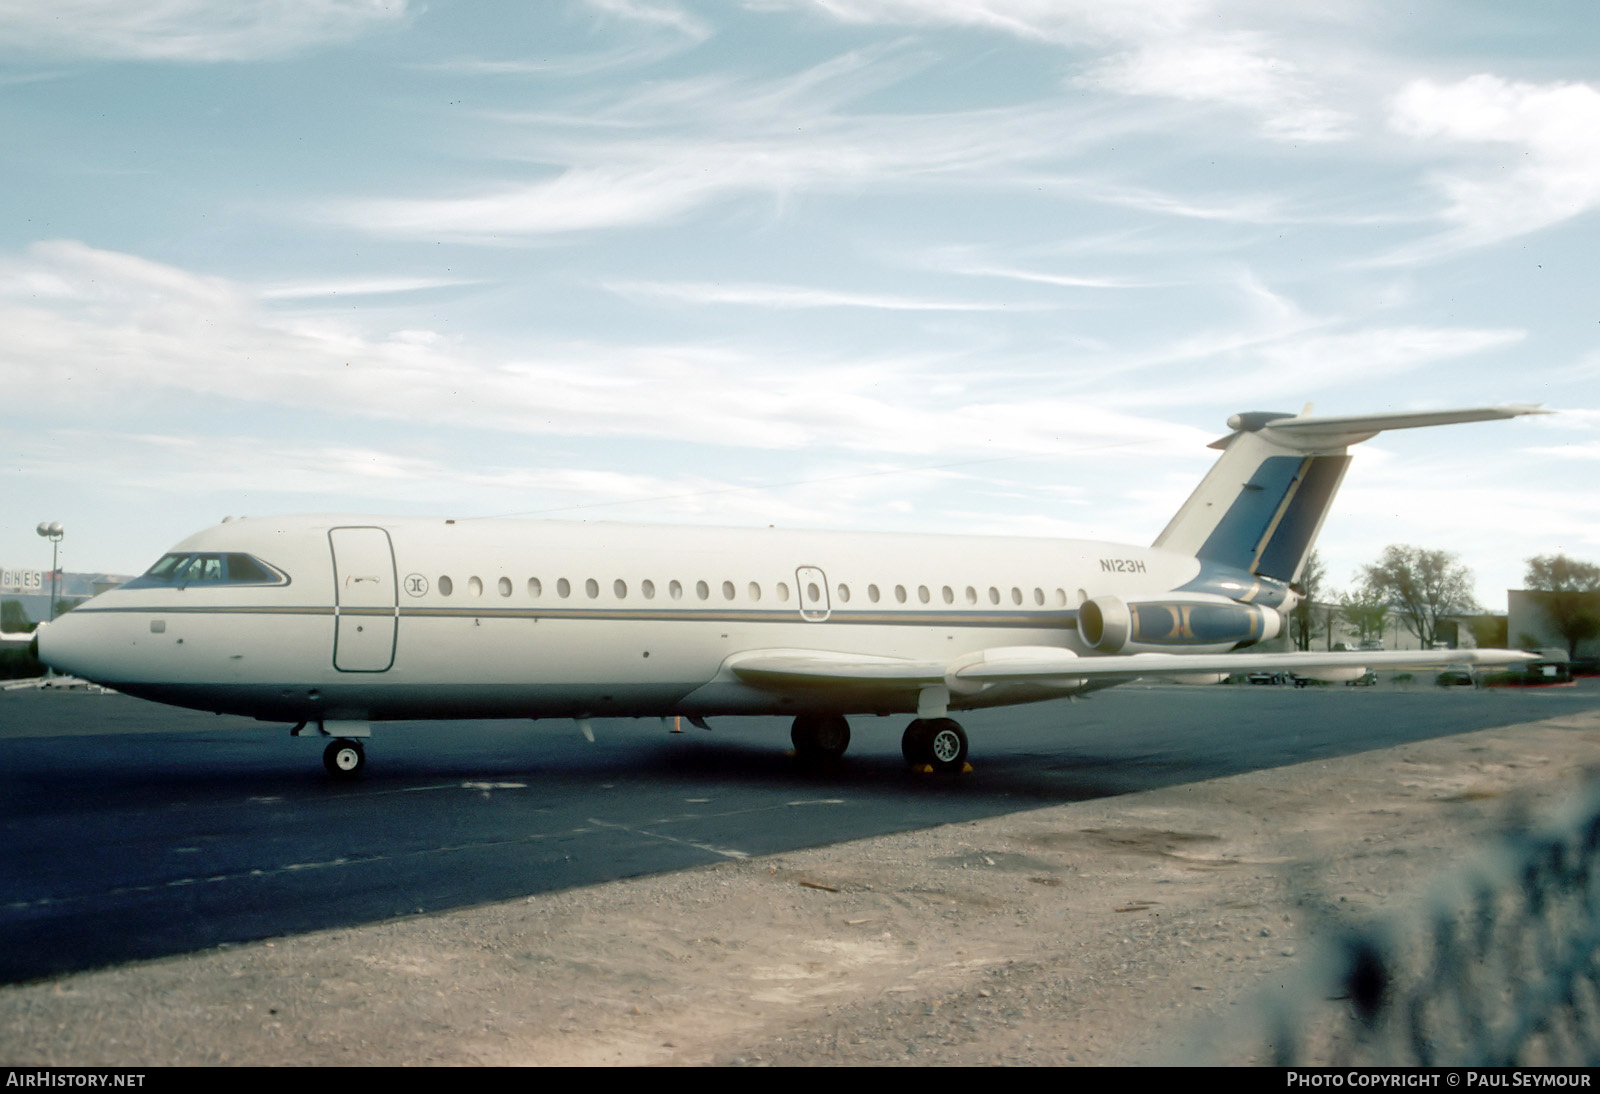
column 416, row 584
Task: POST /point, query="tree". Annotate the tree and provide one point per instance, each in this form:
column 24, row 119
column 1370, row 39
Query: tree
column 1571, row 596
column 1302, row 624
column 13, row 619
column 1366, row 611
column 1422, row 586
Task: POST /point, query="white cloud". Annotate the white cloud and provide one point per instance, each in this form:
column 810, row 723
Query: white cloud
column 362, row 286
column 1238, row 70
column 655, row 14
column 1063, row 22
column 1532, row 152
column 1175, row 49
column 609, row 183
column 187, row 30
column 106, row 332
column 800, row 296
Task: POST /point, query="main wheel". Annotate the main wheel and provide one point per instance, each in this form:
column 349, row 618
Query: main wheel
column 914, row 744
column 948, row 745
column 939, row 743
column 344, row 758
column 820, row 736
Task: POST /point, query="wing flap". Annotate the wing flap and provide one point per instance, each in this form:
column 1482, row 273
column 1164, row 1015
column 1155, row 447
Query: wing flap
column 819, row 668
column 782, row 670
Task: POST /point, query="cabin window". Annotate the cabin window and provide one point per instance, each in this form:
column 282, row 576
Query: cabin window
column 1038, row 596
column 844, row 593
column 702, row 590
column 922, row 594
column 872, row 593
column 648, row 588
column 755, row 591
column 813, row 592
column 727, row 590
column 948, row 594
column 563, row 588
column 1016, row 595
column 446, row 586
column 535, row 588
column 900, row 593
column 592, row 587
column 783, row 592
column 1082, row 596
column 994, row 595
column 475, row 586
column 1061, row 598
column 619, row 589
column 504, row 585
column 675, row 590
column 972, row 595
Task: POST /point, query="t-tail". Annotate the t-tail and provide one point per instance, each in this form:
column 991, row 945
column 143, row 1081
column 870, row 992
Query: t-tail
column 1261, row 505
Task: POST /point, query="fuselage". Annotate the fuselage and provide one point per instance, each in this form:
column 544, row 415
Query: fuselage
column 368, row 618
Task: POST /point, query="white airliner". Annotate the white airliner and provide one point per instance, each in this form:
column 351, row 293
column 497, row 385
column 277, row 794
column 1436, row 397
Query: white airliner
column 341, row 621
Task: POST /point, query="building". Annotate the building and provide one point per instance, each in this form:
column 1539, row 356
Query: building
column 1533, row 624
column 31, row 589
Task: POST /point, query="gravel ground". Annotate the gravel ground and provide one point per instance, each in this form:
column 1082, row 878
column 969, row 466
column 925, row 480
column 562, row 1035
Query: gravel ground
column 1148, row 928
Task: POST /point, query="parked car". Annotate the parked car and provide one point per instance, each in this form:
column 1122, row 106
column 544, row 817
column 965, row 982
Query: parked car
column 1535, row 674
column 1365, row 680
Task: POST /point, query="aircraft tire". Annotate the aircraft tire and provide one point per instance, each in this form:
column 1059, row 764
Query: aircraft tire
column 344, row 758
column 820, row 736
column 939, row 743
column 914, row 744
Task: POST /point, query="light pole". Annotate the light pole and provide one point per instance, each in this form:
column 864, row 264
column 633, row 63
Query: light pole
column 51, row 530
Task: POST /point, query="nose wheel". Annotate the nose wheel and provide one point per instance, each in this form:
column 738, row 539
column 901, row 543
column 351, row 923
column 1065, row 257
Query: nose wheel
column 344, row 758
column 937, row 743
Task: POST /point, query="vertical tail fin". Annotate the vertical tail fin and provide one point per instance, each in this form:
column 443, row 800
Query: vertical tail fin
column 1262, row 503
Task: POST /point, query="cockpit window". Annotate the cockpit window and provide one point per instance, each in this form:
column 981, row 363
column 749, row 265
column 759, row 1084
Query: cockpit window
column 202, row 568
column 165, row 567
column 185, row 568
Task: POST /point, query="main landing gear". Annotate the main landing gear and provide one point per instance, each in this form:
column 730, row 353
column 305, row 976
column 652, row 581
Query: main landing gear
column 936, row 743
column 819, row 737
column 929, row 744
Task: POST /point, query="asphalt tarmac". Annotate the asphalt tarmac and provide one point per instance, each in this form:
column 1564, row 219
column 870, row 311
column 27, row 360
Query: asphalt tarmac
column 132, row 830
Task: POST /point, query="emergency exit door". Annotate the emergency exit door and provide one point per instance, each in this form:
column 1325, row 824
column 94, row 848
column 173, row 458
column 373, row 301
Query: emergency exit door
column 812, row 586
column 366, row 601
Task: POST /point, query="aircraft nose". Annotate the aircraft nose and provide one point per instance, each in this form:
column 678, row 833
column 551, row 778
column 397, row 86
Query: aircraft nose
column 40, row 651
column 53, row 646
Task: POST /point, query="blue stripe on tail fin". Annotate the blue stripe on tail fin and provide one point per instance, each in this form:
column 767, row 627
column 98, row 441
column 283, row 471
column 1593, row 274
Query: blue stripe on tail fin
column 1269, row 527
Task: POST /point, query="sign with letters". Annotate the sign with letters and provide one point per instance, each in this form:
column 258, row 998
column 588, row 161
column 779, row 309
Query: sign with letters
column 23, row 581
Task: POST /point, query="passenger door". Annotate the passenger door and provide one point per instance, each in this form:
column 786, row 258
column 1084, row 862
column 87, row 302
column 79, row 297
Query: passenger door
column 366, row 602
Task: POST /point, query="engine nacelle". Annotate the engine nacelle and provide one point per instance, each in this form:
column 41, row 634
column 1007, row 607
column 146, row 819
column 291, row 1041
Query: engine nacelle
column 1176, row 622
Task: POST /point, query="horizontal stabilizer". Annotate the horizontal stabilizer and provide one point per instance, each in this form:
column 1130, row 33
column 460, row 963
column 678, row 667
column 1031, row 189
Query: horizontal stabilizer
column 1260, row 507
column 1339, row 431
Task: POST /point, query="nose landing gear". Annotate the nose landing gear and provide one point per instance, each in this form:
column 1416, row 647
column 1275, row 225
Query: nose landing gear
column 344, row 758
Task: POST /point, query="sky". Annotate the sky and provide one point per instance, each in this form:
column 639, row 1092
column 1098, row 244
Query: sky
column 975, row 266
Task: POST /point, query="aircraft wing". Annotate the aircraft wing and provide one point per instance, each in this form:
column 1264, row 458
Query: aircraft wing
column 783, row 670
